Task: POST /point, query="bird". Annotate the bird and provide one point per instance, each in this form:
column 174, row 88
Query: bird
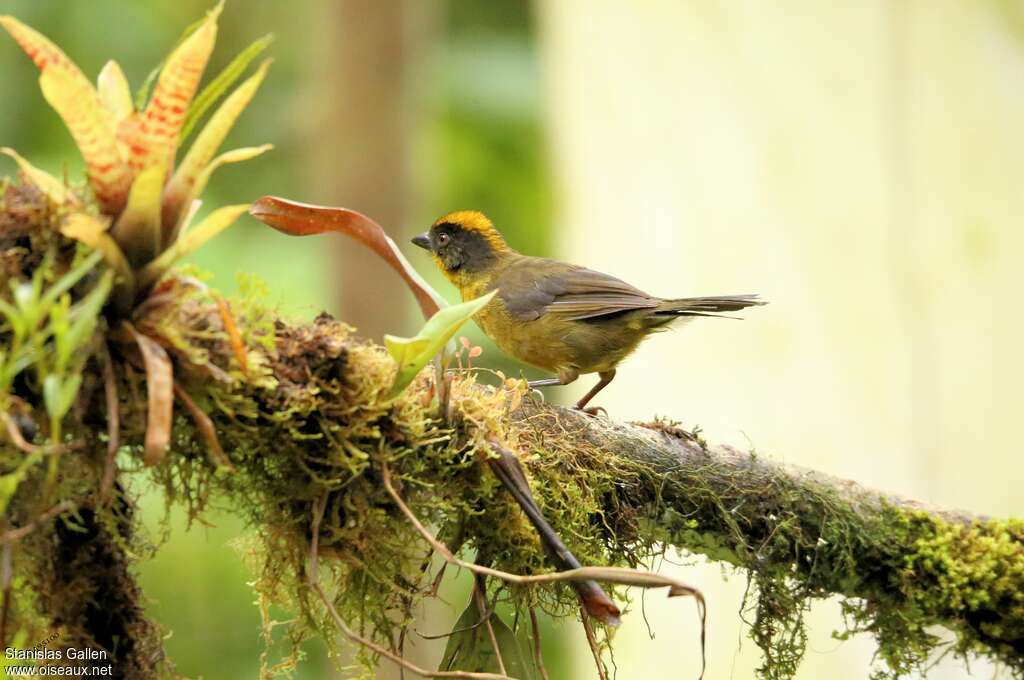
column 564, row 319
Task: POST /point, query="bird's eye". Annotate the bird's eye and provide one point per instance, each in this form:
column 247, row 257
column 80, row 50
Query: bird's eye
column 442, row 239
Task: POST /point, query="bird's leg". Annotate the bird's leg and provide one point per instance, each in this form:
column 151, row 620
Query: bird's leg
column 606, row 377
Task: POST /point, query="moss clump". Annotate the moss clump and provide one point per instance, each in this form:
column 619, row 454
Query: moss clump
column 969, row 576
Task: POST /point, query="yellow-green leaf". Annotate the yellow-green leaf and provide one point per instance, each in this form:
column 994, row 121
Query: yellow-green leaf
column 138, row 231
column 93, row 233
column 114, row 92
column 44, row 181
column 213, row 224
column 219, row 85
column 200, row 182
column 233, row 156
column 412, row 354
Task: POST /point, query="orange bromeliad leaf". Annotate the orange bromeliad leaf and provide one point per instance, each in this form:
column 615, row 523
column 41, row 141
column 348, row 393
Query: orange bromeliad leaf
column 183, row 185
column 301, row 219
column 152, row 137
column 235, row 338
column 74, row 98
column 37, row 46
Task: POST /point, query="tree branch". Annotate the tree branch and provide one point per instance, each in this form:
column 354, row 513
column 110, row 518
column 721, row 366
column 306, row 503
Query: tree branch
column 901, row 558
column 622, row 492
column 303, row 418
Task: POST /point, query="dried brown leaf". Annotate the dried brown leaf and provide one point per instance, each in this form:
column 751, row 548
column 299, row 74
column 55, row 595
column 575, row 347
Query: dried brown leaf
column 159, row 396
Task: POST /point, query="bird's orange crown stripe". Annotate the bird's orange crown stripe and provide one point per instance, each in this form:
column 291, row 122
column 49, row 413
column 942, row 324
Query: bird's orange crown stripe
column 473, row 220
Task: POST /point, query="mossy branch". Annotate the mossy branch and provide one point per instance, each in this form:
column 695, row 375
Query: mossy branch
column 800, row 533
column 303, row 415
column 635, row 488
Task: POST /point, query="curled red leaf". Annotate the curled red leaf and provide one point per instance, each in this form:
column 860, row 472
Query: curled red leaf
column 301, row 219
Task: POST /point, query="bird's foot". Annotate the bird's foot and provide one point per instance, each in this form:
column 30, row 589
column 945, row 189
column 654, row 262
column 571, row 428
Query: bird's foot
column 593, row 411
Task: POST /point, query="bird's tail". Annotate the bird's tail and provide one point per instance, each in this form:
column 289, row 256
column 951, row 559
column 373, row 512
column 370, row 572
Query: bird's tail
column 707, row 306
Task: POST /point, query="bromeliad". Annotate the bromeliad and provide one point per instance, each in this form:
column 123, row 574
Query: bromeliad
column 144, row 202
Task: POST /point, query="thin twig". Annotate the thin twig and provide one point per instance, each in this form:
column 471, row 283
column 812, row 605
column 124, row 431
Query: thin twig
column 619, row 575
column 313, row 579
column 14, row 432
column 602, row 672
column 17, row 534
column 206, row 429
column 455, row 631
column 479, row 586
column 113, row 425
column 535, row 629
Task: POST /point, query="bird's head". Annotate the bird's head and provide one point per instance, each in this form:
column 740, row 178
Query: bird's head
column 463, row 243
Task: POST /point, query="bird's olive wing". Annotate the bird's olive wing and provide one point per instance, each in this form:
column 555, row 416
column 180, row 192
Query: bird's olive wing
column 538, row 287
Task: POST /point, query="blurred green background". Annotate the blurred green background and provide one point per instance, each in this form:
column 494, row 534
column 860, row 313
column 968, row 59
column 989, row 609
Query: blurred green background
column 856, row 163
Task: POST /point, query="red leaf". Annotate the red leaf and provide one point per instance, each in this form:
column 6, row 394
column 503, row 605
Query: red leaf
column 301, row 219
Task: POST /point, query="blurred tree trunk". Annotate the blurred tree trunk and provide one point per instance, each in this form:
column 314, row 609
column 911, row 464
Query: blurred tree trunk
column 363, row 143
column 362, row 159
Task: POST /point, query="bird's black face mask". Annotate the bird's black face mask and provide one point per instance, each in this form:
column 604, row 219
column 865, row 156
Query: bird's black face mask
column 456, row 247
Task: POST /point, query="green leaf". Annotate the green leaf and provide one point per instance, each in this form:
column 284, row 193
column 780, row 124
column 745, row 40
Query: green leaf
column 66, row 282
column 14, row 318
column 470, row 649
column 58, row 394
column 83, row 321
column 59, row 321
column 137, row 231
column 68, row 392
column 412, row 354
column 9, row 482
column 219, row 85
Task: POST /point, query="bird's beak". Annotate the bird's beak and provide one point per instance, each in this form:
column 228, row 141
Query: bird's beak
column 423, row 241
